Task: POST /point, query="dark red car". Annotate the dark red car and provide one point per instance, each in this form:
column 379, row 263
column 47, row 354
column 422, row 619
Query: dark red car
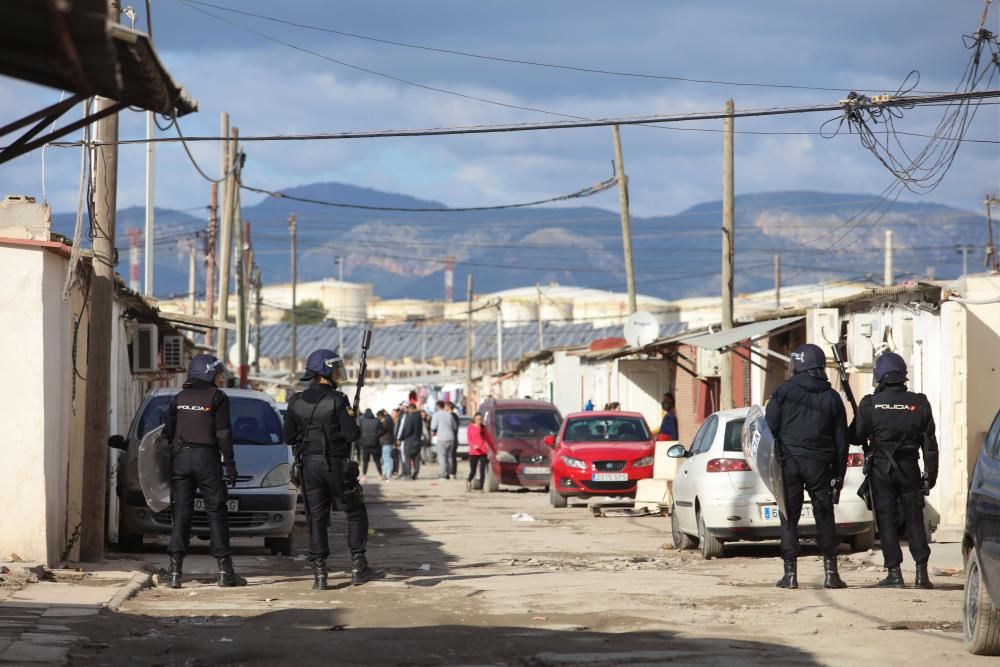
column 515, row 432
column 600, row 454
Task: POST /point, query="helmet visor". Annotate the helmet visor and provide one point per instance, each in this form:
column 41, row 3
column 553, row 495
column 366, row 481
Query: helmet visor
column 335, row 370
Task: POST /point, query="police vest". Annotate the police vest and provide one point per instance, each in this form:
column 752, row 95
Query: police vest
column 899, row 421
column 319, row 425
column 195, row 416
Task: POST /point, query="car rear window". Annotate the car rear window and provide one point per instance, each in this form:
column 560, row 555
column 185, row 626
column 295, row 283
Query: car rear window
column 610, row 429
column 524, row 423
column 252, row 421
column 734, row 436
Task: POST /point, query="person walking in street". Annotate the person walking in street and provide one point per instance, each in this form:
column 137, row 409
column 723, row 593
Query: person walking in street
column 809, row 424
column 454, row 450
column 894, row 426
column 443, row 429
column 370, row 441
column 320, row 426
column 388, row 441
column 197, row 426
column 668, row 426
column 477, row 452
column 409, row 435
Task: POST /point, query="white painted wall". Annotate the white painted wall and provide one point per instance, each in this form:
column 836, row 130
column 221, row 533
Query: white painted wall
column 568, row 395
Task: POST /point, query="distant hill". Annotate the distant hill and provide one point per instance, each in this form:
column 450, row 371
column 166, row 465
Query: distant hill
column 819, row 236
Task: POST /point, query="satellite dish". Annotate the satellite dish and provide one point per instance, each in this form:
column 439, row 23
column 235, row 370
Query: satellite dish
column 234, row 354
column 641, row 329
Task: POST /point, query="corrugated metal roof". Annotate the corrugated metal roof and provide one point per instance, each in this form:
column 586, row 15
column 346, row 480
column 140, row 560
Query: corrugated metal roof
column 724, row 339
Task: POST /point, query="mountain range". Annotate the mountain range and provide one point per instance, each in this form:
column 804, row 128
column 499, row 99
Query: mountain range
column 819, row 236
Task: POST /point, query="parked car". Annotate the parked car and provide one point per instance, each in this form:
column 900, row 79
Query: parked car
column 262, row 504
column 981, row 548
column 719, row 499
column 515, row 432
column 599, row 454
column 462, row 449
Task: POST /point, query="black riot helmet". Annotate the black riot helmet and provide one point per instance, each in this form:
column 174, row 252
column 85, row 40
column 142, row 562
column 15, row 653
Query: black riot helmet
column 890, row 369
column 325, row 363
column 808, row 357
column 204, row 367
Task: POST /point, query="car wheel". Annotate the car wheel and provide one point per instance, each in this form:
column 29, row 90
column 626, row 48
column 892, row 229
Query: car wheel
column 981, row 617
column 709, row 545
column 681, row 541
column 555, row 498
column 128, row 542
column 862, row 541
column 280, row 546
column 492, row 483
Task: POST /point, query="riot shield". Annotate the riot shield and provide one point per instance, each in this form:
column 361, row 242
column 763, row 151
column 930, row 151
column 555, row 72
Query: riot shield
column 155, row 469
column 761, row 453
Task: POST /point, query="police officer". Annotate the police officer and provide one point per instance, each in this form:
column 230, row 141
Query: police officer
column 320, row 425
column 197, row 425
column 809, row 424
column 894, row 425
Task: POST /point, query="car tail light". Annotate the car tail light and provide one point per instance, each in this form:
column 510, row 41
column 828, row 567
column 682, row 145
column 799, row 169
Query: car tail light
column 728, row 465
column 855, row 460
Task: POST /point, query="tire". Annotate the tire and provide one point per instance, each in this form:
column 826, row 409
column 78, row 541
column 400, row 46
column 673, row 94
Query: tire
column 556, row 499
column 492, row 483
column 981, row 618
column 862, row 541
column 709, row 545
column 681, row 541
column 280, row 546
column 128, row 542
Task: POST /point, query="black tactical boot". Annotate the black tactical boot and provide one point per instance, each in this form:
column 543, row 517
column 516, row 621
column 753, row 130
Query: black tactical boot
column 893, row 580
column 923, row 581
column 319, row 575
column 791, row 578
column 176, row 569
column 832, row 577
column 360, row 572
column 227, row 575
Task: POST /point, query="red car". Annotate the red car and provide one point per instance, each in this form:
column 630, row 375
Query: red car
column 600, row 454
column 514, row 431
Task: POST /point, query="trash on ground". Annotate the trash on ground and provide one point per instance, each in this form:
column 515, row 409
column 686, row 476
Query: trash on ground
column 521, row 516
column 225, row 640
column 426, row 567
column 944, row 571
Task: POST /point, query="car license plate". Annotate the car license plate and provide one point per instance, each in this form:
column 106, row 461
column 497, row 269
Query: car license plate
column 770, row 512
column 536, row 470
column 231, row 505
column 610, row 477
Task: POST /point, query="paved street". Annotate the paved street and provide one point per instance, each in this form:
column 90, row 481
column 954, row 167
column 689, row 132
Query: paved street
column 565, row 589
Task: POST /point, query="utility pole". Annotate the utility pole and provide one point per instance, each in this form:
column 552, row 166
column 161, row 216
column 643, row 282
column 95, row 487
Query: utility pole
column 499, row 337
column 991, row 255
column 468, row 342
column 626, row 228
column 728, row 214
column 241, row 297
column 295, row 281
column 777, row 282
column 541, row 330
column 102, row 290
column 192, row 277
column 259, row 302
column 888, row 280
column 226, row 249
column 964, row 251
column 340, row 317
column 150, row 210
column 213, row 224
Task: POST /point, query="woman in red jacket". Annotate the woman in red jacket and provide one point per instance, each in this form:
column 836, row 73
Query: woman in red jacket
column 477, row 452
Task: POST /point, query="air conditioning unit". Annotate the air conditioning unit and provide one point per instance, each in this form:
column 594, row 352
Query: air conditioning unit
column 144, row 348
column 708, row 363
column 823, row 327
column 864, row 335
column 173, row 351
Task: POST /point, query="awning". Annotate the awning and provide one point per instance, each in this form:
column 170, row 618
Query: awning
column 723, row 340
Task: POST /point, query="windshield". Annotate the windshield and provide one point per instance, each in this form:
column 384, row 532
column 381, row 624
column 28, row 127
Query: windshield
column 734, row 436
column 527, row 423
column 610, row 429
column 251, row 420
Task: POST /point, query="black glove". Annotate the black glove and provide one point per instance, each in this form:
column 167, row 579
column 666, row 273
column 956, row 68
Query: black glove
column 230, row 473
column 838, row 483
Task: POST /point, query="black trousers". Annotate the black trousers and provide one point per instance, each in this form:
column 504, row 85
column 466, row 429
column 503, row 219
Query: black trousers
column 198, row 468
column 372, row 454
column 411, row 461
column 453, row 467
column 803, row 475
column 894, row 491
column 479, row 461
column 322, row 482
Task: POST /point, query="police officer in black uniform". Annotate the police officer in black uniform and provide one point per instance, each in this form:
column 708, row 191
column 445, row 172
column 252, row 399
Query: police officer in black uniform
column 893, row 426
column 320, row 425
column 809, row 424
column 197, row 425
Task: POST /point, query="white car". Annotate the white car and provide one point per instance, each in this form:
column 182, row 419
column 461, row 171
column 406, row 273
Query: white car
column 718, row 498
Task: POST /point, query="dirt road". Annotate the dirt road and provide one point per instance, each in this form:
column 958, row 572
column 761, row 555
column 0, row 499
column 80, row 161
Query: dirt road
column 465, row 584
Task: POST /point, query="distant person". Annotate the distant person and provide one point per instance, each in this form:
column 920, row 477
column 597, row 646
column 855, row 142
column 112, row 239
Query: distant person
column 454, row 450
column 614, row 406
column 371, row 430
column 477, row 452
column 446, row 435
column 388, row 442
column 408, row 436
column 589, row 406
column 668, row 427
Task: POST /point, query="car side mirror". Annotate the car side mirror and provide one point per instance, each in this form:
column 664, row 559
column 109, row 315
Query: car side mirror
column 550, row 440
column 118, row 442
column 677, row 452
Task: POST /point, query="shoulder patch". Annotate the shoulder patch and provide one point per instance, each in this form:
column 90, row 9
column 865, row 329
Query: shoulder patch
column 350, row 411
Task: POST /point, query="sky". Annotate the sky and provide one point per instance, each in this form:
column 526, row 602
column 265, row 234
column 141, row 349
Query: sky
column 270, row 88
